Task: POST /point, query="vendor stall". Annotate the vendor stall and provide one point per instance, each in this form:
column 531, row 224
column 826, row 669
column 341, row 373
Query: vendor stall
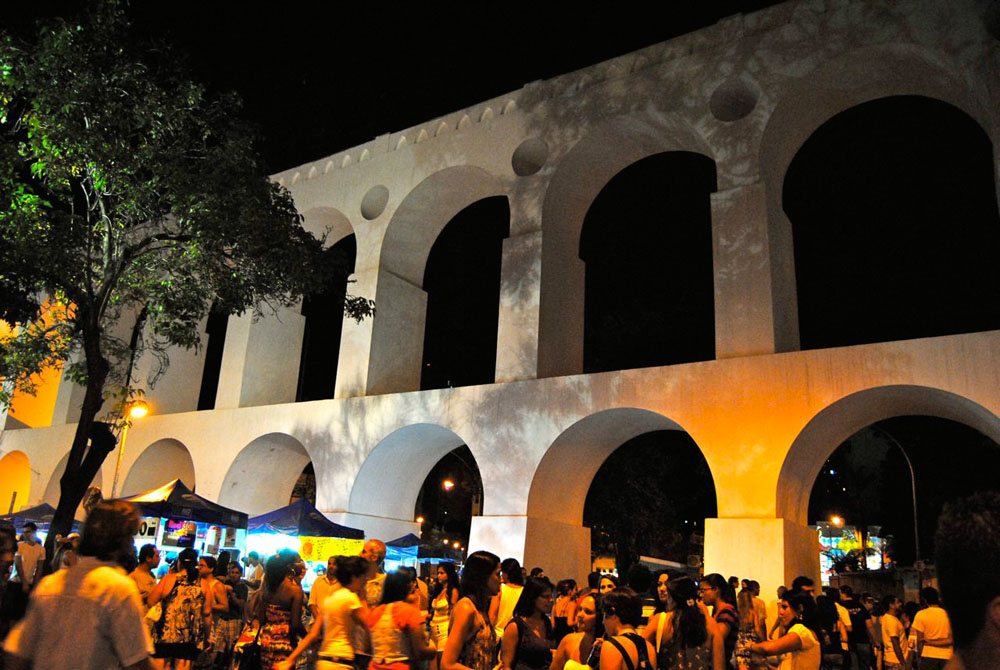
column 175, row 518
column 40, row 515
column 402, row 552
column 302, row 527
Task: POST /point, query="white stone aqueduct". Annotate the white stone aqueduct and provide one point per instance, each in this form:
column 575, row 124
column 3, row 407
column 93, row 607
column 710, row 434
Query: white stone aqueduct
column 747, row 93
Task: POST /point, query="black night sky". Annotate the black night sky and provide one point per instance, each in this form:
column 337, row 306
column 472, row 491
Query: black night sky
column 893, row 203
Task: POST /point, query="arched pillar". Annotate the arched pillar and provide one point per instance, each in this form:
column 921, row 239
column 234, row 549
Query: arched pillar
column 803, row 106
column 15, row 481
column 397, row 329
column 577, row 179
column 263, row 474
column 386, row 487
column 559, row 490
column 161, row 462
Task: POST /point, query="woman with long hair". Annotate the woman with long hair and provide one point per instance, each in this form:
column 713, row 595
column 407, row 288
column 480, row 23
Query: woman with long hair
column 184, row 624
column 683, row 635
column 502, row 605
column 340, row 615
column 624, row 648
column 582, row 650
column 716, row 593
column 799, row 646
column 472, row 639
column 442, row 605
column 608, row 584
column 398, row 639
column 279, row 608
column 749, row 631
column 527, row 640
column 563, row 611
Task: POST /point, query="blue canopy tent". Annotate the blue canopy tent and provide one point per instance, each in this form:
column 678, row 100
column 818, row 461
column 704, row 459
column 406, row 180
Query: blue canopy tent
column 40, row 515
column 402, row 552
column 174, row 500
column 302, row 527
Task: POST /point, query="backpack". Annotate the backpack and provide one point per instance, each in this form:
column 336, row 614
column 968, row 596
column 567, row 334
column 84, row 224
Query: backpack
column 641, row 652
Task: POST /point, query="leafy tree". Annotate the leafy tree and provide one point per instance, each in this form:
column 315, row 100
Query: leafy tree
column 131, row 202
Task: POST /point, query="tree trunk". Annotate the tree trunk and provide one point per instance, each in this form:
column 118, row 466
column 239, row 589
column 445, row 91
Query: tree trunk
column 83, row 463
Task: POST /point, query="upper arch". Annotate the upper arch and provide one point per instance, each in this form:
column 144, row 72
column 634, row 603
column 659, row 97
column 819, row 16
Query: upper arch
column 159, row 463
column 263, row 474
column 841, row 419
column 424, row 213
column 560, row 483
column 391, row 476
column 327, row 221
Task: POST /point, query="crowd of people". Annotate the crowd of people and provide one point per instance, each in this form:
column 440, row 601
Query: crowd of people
column 211, row 612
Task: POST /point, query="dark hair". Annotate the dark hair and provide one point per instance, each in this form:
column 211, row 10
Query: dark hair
column 805, row 610
column 888, row 600
column 611, row 578
column 511, row 568
column 966, row 544
column 639, row 578
column 234, row 564
column 755, row 587
column 277, row 568
column 109, row 527
column 474, row 583
column 451, row 581
column 599, row 622
column 847, row 590
column 536, row 571
column 623, row 603
column 691, row 624
column 146, row 552
column 534, row 587
column 397, row 587
column 222, row 565
column 29, row 526
column 350, row 568
column 209, row 562
column 594, row 579
column 719, row 583
column 187, row 562
column 661, row 605
column 565, row 587
column 801, row 581
column 929, row 595
column 911, row 608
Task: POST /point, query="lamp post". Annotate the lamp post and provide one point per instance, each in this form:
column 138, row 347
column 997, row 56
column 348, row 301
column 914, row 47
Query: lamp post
column 913, row 485
column 135, row 410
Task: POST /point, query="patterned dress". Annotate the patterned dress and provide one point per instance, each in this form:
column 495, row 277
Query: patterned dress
column 181, row 627
column 276, row 636
column 478, row 651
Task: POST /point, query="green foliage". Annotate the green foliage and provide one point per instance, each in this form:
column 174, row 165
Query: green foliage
column 126, row 188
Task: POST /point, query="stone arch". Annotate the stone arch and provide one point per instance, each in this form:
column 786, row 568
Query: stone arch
column 579, row 177
column 159, row 463
column 841, row 419
column 398, row 325
column 563, row 476
column 389, row 481
column 837, row 85
column 327, row 221
column 15, row 481
column 263, row 474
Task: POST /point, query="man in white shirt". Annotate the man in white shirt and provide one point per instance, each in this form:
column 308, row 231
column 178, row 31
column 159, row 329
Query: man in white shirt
column 323, row 587
column 29, row 562
column 254, row 572
column 934, row 643
column 893, row 634
column 88, row 616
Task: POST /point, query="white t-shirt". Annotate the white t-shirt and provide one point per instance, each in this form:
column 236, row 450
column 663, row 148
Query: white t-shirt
column 86, row 617
column 933, row 623
column 509, row 594
column 322, row 588
column 31, row 555
column 893, row 627
column 255, row 574
column 338, row 623
column 806, row 658
column 845, row 618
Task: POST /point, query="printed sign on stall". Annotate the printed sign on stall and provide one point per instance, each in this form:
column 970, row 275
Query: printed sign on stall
column 322, row 548
column 148, row 526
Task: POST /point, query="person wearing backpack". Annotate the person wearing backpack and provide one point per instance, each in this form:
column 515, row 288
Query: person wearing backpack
column 625, row 649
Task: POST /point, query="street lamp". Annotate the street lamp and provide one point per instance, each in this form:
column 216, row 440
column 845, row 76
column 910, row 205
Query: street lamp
column 448, row 484
column 913, row 485
column 420, row 519
column 837, row 521
column 135, row 410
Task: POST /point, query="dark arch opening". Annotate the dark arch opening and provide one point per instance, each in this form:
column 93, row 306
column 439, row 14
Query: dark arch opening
column 893, row 207
column 647, row 245
column 216, row 330
column 462, row 281
column 445, row 511
column 866, row 480
column 651, row 498
column 324, row 313
column 305, row 486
